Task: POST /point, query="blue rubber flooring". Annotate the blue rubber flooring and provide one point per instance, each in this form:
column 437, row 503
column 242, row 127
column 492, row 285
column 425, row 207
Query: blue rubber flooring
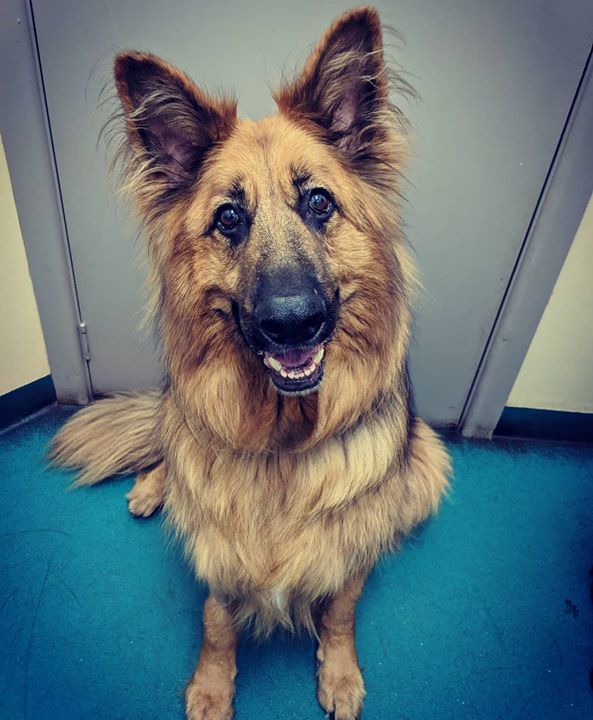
column 486, row 613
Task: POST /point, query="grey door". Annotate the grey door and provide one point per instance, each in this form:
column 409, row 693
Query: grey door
column 496, row 80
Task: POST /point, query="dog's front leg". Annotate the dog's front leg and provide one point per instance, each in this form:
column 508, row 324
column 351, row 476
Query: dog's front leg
column 340, row 686
column 209, row 695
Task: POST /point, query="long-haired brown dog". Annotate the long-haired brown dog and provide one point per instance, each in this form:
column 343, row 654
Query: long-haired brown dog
column 283, row 446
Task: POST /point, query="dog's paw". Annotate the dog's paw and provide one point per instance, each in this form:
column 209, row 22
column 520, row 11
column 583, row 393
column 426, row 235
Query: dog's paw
column 144, row 499
column 340, row 689
column 204, row 702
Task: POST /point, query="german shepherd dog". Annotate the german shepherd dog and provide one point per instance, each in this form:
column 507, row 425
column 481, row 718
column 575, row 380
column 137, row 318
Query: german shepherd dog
column 284, row 446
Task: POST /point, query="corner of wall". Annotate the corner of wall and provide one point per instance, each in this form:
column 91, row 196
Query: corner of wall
column 23, row 357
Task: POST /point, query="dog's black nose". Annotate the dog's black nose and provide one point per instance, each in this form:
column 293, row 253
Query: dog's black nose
column 291, row 319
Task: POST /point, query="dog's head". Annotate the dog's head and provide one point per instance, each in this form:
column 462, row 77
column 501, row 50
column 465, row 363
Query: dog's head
column 275, row 244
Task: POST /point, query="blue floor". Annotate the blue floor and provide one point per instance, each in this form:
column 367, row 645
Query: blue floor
column 487, row 612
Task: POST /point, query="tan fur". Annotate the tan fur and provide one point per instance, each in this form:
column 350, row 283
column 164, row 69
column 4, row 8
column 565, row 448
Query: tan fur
column 148, row 493
column 114, row 436
column 210, row 691
column 341, row 688
column 283, row 503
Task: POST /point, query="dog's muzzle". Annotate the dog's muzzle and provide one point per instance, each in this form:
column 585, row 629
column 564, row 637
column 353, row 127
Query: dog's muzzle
column 291, row 323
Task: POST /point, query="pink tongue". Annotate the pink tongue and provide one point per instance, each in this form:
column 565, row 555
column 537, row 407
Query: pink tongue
column 296, row 358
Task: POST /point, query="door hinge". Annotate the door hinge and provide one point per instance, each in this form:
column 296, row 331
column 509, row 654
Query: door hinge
column 84, row 340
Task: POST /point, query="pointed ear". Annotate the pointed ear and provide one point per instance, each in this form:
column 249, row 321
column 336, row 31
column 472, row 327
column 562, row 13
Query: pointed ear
column 171, row 125
column 344, row 88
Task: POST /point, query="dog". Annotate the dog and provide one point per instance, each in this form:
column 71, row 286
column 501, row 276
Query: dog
column 283, row 446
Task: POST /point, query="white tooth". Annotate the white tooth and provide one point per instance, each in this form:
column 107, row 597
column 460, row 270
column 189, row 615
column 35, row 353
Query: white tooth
column 283, row 373
column 274, row 364
column 309, row 370
column 318, row 355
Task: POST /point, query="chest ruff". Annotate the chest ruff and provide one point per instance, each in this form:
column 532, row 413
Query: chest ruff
column 273, row 534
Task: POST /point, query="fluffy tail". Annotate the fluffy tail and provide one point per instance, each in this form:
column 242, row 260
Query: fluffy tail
column 114, row 436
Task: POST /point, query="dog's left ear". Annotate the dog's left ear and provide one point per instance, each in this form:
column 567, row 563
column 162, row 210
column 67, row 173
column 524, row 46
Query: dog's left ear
column 171, row 124
column 343, row 88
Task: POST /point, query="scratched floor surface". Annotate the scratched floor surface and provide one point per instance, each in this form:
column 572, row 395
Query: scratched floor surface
column 486, row 613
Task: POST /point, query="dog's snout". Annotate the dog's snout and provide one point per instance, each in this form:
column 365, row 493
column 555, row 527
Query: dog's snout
column 291, row 319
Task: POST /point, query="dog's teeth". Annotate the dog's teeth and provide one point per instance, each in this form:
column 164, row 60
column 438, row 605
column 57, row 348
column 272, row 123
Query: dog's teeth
column 318, row 355
column 273, row 363
column 294, row 373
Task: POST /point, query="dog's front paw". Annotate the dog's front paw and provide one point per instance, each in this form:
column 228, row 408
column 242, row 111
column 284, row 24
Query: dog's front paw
column 147, row 494
column 204, row 705
column 340, row 687
column 209, row 696
column 142, row 503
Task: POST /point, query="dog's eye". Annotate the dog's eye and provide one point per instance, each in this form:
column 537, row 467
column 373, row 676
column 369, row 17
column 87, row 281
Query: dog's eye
column 320, row 203
column 227, row 219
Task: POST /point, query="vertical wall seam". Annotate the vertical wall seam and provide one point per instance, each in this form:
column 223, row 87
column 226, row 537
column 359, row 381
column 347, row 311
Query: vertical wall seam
column 56, row 179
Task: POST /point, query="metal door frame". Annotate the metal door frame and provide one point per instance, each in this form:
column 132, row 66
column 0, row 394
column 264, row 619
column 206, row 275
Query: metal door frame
column 36, row 187
column 555, row 221
column 28, row 144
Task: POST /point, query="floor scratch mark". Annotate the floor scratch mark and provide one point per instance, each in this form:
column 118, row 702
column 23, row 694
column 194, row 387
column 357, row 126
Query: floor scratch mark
column 30, row 643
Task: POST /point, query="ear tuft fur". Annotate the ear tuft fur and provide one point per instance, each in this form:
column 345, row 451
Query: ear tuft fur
column 343, row 93
column 171, row 125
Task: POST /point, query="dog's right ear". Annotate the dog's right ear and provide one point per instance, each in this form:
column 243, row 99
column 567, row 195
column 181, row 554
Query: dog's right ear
column 171, row 125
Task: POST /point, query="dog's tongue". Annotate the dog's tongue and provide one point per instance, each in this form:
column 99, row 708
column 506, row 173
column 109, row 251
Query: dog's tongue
column 295, row 358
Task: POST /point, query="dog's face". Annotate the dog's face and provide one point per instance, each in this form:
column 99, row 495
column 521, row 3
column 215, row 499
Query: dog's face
column 267, row 210
column 275, row 242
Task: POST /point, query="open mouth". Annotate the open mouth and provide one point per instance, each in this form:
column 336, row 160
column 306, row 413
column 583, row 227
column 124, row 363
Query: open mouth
column 296, row 371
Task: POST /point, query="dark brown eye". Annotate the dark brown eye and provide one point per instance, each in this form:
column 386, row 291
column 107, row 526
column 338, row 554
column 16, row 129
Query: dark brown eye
column 227, row 218
column 320, row 203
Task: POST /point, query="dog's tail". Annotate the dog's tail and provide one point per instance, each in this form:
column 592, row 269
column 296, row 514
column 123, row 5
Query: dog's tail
column 114, row 436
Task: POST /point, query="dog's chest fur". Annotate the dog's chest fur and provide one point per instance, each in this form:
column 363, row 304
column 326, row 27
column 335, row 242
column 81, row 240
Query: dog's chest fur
column 275, row 533
column 278, row 532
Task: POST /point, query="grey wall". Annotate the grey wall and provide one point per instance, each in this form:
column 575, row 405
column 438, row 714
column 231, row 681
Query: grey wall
column 496, row 81
column 550, row 236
